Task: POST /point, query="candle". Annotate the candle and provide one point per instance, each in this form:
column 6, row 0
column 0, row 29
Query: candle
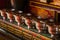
column 10, row 16
column 38, row 26
column 3, row 13
column 28, row 22
column 17, row 19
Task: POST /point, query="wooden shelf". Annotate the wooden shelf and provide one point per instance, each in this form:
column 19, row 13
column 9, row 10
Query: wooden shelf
column 21, row 31
column 45, row 6
column 7, row 36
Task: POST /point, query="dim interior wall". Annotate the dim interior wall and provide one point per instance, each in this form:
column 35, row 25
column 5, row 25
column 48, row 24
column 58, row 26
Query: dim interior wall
column 2, row 3
column 5, row 4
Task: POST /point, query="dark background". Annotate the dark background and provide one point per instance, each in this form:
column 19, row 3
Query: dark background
column 18, row 4
column 5, row 4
